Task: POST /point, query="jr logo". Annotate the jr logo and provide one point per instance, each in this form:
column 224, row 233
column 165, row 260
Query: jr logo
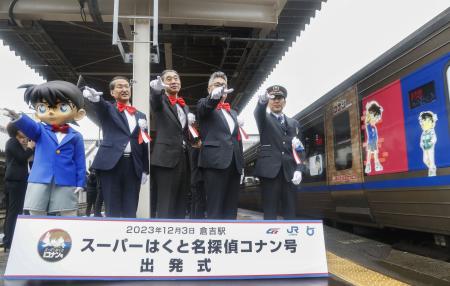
column 272, row 230
column 293, row 230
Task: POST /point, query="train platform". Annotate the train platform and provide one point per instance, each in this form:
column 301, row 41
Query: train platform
column 352, row 260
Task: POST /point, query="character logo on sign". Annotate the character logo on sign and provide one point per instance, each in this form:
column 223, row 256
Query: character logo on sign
column 54, row 245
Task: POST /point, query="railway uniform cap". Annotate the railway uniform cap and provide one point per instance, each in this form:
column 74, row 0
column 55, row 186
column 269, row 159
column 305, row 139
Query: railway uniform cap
column 276, row 91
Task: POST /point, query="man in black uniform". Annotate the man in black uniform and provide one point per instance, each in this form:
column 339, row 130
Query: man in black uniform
column 277, row 166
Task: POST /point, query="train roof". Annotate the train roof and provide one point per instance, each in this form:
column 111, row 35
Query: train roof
column 390, row 55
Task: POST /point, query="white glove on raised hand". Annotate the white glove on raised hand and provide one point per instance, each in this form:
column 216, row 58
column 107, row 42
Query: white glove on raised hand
column 297, row 144
column 297, row 178
column 240, row 122
column 220, row 91
column 11, row 113
column 263, row 97
column 191, row 118
column 91, row 94
column 78, row 190
column 144, row 178
column 158, row 84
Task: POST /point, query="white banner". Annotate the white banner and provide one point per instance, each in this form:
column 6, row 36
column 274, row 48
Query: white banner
column 118, row 249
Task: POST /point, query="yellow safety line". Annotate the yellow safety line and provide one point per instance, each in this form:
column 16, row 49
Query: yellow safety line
column 357, row 274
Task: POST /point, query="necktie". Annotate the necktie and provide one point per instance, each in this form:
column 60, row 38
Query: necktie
column 60, row 128
column 225, row 106
column 174, row 100
column 122, row 106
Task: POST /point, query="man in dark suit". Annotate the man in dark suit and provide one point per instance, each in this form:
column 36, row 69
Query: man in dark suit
column 18, row 151
column 170, row 158
column 220, row 157
column 122, row 158
column 278, row 164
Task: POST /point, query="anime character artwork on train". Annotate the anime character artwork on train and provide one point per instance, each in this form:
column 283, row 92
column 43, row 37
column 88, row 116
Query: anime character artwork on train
column 374, row 112
column 428, row 139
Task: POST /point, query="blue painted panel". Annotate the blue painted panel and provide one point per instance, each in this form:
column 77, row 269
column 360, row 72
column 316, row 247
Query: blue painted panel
column 422, row 81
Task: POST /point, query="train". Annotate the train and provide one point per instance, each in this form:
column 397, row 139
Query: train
column 378, row 145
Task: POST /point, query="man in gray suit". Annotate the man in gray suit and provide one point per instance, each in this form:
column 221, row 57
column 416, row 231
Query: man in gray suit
column 220, row 157
column 278, row 164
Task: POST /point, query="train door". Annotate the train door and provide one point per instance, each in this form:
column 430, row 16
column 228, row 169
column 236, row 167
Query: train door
column 344, row 162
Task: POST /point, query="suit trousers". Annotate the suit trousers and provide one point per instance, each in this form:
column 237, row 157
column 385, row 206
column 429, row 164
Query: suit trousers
column 222, row 192
column 120, row 188
column 276, row 190
column 16, row 191
column 172, row 186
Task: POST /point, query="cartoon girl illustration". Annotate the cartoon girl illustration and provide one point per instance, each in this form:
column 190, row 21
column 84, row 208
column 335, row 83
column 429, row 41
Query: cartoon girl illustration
column 428, row 139
column 373, row 116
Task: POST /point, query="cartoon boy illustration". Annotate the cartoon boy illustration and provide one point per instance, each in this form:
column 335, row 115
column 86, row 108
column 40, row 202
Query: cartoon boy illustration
column 428, row 139
column 373, row 116
column 59, row 168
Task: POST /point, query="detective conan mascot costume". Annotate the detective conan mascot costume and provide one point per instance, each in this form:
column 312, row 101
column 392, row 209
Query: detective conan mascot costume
column 59, row 167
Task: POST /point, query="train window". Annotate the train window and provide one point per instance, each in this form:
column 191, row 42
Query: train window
column 313, row 138
column 342, row 141
column 422, row 95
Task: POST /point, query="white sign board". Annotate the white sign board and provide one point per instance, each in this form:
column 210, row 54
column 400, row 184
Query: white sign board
column 88, row 248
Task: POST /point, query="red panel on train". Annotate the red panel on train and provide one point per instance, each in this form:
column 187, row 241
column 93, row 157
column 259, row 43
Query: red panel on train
column 384, row 131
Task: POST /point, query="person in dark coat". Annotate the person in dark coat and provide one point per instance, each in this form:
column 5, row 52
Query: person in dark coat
column 122, row 158
column 277, row 166
column 18, row 151
column 170, row 155
column 91, row 192
column 221, row 156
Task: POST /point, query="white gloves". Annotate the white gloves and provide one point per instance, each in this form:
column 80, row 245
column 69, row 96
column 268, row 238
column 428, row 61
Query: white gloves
column 158, row 85
column 10, row 113
column 297, row 178
column 220, row 91
column 144, row 178
column 142, row 123
column 240, row 122
column 78, row 190
column 298, row 146
column 91, row 94
column 263, row 97
column 191, row 118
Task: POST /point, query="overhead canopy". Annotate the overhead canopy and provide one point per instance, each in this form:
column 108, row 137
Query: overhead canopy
column 62, row 39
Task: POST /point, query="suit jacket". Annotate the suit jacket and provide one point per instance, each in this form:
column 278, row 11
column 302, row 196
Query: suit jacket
column 276, row 145
column 168, row 144
column 64, row 162
column 16, row 160
column 116, row 135
column 219, row 145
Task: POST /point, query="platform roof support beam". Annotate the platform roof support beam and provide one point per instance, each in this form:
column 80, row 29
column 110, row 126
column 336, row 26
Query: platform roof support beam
column 141, row 92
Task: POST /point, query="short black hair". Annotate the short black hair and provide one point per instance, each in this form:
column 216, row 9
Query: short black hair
column 12, row 130
column 112, row 85
column 427, row 115
column 375, row 109
column 53, row 92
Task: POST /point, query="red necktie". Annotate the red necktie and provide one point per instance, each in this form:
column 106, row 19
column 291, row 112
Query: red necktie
column 60, row 128
column 174, row 100
column 122, row 106
column 225, row 106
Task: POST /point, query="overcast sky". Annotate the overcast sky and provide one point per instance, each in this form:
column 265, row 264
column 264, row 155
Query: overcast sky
column 343, row 37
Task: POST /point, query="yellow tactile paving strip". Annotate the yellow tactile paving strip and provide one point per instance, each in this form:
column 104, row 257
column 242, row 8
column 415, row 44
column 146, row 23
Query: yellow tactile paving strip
column 356, row 274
